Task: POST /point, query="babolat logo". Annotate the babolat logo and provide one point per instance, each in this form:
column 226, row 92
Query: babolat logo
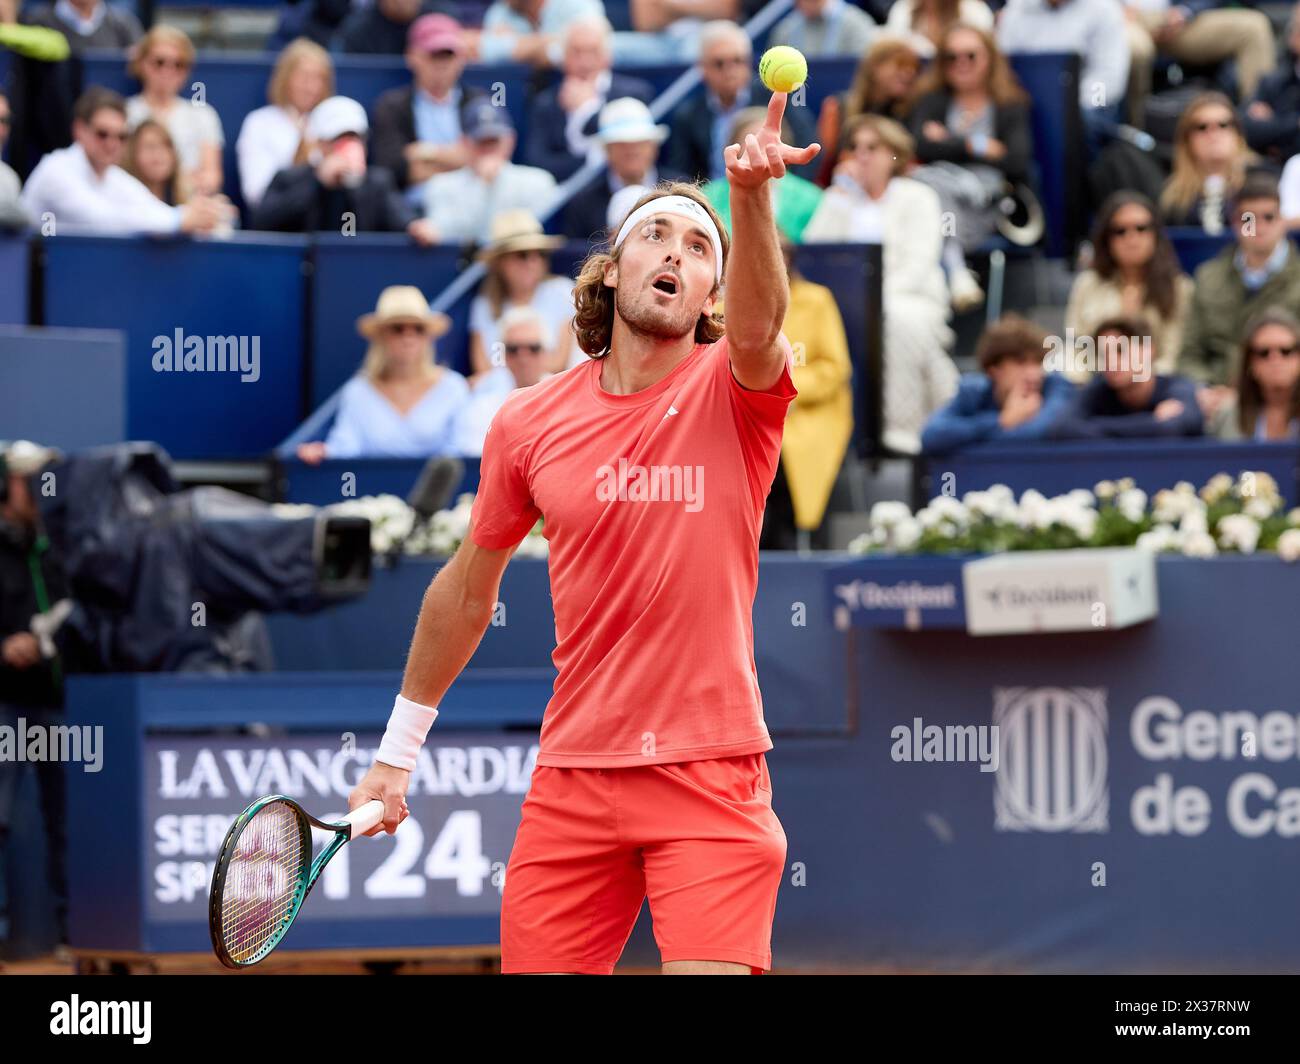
column 120, row 1018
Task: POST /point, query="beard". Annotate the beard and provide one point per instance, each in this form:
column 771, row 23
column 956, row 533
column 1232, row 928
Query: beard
column 642, row 315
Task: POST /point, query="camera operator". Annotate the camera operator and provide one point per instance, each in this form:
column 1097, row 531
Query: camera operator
column 31, row 683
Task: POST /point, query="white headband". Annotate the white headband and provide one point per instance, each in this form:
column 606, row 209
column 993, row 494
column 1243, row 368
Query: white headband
column 684, row 208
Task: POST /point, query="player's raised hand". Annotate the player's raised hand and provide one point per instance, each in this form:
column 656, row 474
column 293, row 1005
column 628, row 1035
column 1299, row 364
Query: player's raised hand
column 763, row 155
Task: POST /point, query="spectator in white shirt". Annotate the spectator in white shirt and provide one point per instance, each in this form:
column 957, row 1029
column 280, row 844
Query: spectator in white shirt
column 526, row 341
column 162, row 62
column 272, row 136
column 826, row 27
column 462, row 203
column 83, row 188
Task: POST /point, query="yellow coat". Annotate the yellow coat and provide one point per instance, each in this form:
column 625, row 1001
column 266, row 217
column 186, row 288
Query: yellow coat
column 820, row 421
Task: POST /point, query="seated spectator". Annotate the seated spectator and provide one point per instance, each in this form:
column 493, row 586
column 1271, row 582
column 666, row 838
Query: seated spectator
column 562, row 120
column 162, row 63
column 519, row 275
column 1210, row 162
column 381, row 27
column 1271, row 120
column 526, row 352
column 1261, row 269
column 701, row 124
column 1134, row 273
column 1092, row 29
column 1126, row 396
column 152, row 160
column 1267, row 406
column 823, row 28
column 462, row 203
column 87, row 23
column 531, row 31
column 971, row 124
column 669, row 31
column 83, row 188
column 631, row 141
column 1011, row 398
column 882, row 85
column 923, row 23
column 12, row 213
column 417, row 127
column 271, row 138
column 794, row 199
column 1201, row 32
column 870, row 201
column 402, row 404
column 335, row 190
column 316, row 20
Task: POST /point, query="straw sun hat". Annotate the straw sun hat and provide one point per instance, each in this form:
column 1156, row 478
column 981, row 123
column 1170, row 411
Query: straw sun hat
column 402, row 303
column 517, row 230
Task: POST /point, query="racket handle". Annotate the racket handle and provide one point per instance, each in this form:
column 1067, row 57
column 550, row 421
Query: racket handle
column 365, row 817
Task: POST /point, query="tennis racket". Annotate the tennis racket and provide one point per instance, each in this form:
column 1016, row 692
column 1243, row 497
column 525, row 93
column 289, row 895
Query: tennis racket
column 265, row 872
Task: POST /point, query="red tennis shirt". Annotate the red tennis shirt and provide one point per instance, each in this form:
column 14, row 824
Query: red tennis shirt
column 652, row 507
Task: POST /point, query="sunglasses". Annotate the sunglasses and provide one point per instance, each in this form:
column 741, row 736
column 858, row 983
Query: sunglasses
column 1276, row 349
column 109, row 134
column 1124, row 230
column 159, row 62
column 401, row 328
column 528, row 253
column 1205, row 127
column 532, row 349
column 953, row 57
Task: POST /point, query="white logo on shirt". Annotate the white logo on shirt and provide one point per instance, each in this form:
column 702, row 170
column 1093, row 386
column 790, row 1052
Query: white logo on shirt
column 671, row 411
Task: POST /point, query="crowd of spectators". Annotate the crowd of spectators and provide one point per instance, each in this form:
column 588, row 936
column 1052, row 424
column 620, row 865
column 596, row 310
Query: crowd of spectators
column 923, row 153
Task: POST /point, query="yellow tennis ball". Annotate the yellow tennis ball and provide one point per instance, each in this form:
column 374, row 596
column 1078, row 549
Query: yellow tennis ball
column 783, row 69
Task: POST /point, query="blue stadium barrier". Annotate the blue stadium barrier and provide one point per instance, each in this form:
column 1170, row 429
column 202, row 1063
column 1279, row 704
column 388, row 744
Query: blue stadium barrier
column 1056, row 468
column 63, row 387
column 324, row 484
column 854, row 272
column 949, row 868
column 250, row 287
column 15, row 268
column 348, row 275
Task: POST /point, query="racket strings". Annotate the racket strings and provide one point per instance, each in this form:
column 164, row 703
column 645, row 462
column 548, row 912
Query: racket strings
column 263, row 880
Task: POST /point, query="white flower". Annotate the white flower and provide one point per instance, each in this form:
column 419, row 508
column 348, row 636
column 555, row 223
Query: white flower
column 1288, row 545
column 1125, row 484
column 1105, row 489
column 1293, row 518
column 1260, row 508
column 1199, row 545
column 887, row 514
column 1194, row 522
column 862, row 544
column 1132, row 503
column 906, row 534
column 1082, row 497
column 1031, row 509
column 1216, row 488
column 1240, row 532
column 1170, row 507
column 1160, row 538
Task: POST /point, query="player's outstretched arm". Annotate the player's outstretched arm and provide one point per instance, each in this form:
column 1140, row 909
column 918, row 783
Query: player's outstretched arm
column 456, row 611
column 757, row 291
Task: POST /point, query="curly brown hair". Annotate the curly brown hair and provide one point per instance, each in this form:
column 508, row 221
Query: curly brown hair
column 593, row 300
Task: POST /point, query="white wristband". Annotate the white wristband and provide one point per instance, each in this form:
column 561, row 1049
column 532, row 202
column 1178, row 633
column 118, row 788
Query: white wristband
column 408, row 724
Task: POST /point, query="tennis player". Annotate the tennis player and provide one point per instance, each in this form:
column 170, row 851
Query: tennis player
column 649, row 466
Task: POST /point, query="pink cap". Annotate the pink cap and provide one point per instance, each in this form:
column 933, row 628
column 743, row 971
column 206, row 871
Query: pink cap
column 435, row 33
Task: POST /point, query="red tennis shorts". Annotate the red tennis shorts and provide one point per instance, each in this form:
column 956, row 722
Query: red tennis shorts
column 698, row 837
